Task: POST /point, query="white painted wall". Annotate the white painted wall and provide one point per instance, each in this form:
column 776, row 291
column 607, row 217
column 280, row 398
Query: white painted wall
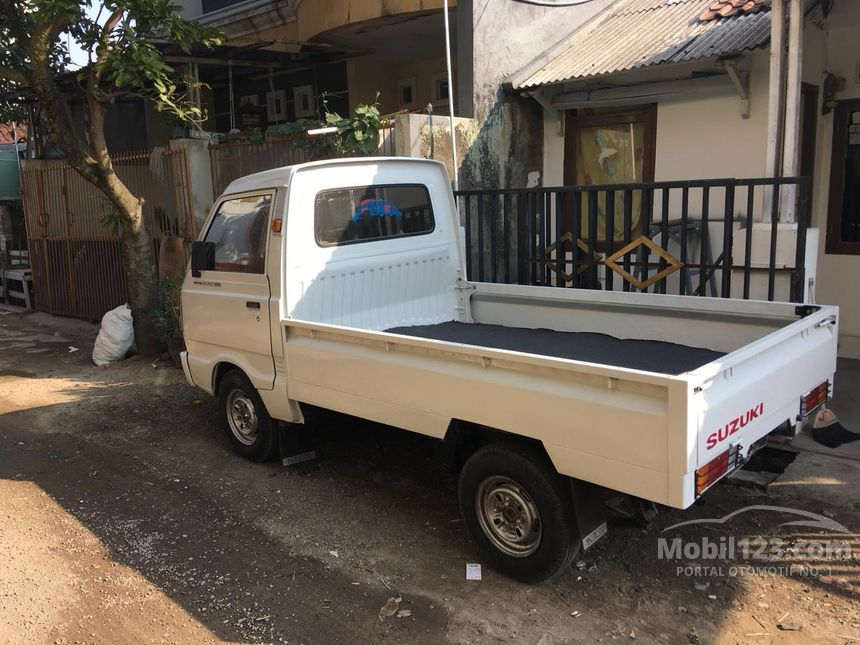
column 707, row 138
column 553, row 152
column 837, row 50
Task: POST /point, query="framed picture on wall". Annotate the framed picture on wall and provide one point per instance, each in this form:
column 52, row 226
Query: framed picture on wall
column 249, row 110
column 276, row 105
column 305, row 103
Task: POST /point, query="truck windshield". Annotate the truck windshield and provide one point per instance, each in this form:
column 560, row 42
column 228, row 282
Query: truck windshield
column 367, row 213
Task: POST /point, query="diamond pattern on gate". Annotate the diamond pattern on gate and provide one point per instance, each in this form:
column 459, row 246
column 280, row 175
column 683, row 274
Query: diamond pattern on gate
column 643, row 240
column 592, row 258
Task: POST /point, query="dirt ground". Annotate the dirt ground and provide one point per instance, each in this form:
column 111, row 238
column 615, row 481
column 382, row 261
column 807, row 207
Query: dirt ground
column 125, row 517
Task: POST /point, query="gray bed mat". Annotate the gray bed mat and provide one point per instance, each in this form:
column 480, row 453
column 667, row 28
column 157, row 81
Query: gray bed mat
column 648, row 355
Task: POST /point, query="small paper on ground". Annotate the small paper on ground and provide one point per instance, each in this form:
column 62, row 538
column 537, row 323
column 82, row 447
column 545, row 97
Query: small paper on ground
column 473, row 571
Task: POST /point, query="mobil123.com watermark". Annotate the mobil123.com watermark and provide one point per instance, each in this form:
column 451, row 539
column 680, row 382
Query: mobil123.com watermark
column 816, row 544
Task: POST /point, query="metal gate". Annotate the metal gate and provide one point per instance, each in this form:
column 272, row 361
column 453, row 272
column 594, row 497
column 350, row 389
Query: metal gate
column 74, row 242
column 707, row 237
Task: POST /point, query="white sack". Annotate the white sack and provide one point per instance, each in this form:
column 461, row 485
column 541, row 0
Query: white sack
column 115, row 337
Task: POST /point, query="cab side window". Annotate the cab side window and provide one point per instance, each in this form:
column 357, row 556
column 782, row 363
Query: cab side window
column 239, row 234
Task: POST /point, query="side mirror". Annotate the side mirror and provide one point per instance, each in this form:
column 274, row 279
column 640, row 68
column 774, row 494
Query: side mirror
column 202, row 257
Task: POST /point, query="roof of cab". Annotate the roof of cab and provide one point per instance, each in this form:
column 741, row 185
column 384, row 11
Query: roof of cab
column 280, row 177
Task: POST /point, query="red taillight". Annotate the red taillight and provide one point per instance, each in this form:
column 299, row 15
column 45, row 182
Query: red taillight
column 814, row 398
column 707, row 475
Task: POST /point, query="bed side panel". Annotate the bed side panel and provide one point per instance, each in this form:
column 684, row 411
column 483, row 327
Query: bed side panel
column 610, row 432
column 719, row 324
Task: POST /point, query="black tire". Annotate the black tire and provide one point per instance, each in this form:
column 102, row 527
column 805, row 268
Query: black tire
column 538, row 486
column 261, row 444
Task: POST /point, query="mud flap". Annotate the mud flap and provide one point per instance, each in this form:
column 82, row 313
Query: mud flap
column 296, row 444
column 590, row 509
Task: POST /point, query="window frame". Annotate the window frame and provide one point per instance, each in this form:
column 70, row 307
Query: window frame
column 582, row 118
column 402, row 84
column 833, row 244
column 326, row 245
column 266, row 192
column 438, row 80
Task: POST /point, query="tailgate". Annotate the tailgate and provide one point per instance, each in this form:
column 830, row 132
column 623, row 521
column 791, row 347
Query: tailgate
column 757, row 388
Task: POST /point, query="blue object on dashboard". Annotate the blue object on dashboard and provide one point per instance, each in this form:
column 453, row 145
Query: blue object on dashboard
column 375, row 208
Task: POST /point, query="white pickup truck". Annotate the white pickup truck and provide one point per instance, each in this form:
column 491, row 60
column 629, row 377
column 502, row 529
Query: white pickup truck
column 342, row 285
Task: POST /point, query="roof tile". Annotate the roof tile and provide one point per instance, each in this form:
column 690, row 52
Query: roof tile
column 6, row 132
column 729, row 8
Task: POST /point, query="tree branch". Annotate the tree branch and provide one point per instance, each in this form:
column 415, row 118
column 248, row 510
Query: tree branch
column 104, row 42
column 46, row 32
column 110, row 25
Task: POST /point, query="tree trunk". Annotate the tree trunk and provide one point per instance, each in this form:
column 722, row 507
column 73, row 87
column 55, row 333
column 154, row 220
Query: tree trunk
column 138, row 259
column 91, row 159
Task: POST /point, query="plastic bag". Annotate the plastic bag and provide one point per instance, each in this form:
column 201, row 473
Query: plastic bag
column 115, row 338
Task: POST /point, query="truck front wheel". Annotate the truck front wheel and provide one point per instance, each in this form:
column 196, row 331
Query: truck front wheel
column 244, row 418
column 519, row 511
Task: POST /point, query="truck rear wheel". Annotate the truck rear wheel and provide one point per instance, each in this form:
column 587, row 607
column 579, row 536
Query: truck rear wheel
column 519, row 511
column 243, row 417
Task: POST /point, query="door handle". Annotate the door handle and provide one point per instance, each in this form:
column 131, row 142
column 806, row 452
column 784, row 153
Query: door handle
column 251, row 304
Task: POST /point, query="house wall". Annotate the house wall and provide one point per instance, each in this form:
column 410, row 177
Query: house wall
column 835, row 47
column 726, row 145
column 317, row 16
column 696, row 138
column 368, row 75
column 505, row 37
column 707, row 138
column 417, row 136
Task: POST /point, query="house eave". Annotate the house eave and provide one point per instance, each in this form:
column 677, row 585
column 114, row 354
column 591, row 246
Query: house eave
column 250, row 17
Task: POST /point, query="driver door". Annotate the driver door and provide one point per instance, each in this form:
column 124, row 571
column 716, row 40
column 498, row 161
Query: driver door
column 226, row 309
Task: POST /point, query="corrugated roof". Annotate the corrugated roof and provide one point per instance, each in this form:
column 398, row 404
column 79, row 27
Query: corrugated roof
column 635, row 34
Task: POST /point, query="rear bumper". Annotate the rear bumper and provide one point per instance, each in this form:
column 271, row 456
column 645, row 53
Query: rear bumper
column 183, row 357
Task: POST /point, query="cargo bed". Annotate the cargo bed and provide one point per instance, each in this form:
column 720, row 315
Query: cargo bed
column 646, row 355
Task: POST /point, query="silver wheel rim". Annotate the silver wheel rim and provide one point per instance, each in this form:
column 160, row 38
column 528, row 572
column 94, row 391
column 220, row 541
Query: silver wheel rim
column 242, row 417
column 508, row 516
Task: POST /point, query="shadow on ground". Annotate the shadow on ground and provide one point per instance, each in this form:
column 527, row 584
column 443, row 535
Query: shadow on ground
column 225, row 571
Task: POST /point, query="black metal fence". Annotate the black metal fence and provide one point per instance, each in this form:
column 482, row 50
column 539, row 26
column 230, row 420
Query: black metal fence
column 718, row 237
